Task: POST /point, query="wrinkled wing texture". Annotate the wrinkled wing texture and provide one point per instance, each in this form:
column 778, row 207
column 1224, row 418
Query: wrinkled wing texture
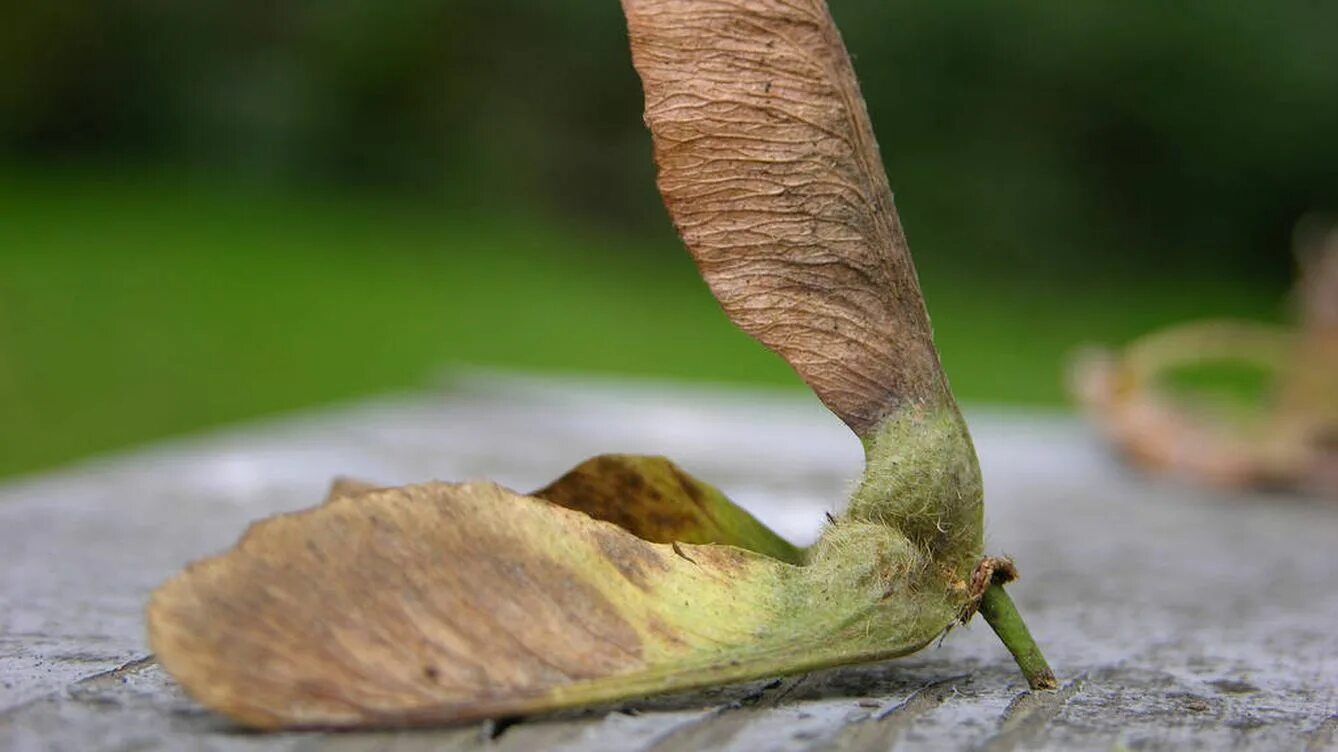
column 444, row 602
column 770, row 171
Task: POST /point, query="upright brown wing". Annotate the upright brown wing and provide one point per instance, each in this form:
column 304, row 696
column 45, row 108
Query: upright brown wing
column 770, row 171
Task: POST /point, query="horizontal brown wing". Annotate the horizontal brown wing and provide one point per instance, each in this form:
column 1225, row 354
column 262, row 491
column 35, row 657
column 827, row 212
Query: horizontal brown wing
column 442, row 601
column 446, row 602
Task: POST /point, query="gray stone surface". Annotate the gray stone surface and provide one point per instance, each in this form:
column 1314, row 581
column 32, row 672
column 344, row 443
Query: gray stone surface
column 1178, row 618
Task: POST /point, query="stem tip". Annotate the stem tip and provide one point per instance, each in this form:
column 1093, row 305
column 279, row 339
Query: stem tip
column 1002, row 616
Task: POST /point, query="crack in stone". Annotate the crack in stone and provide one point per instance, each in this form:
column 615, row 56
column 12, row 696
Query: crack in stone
column 725, row 722
column 1027, row 716
column 128, row 668
column 879, row 731
column 1323, row 735
column 100, row 689
column 82, row 689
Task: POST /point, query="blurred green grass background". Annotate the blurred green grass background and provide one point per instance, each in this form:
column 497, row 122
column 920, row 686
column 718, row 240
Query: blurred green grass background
column 135, row 309
column 216, row 211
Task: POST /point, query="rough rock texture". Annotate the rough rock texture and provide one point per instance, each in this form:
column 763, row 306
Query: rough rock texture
column 1177, row 618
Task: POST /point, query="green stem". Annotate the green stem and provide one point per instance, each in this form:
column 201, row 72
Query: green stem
column 1003, row 618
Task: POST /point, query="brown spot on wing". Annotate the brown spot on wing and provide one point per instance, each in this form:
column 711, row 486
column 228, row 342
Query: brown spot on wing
column 690, row 488
column 723, row 559
column 634, row 562
column 664, row 632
